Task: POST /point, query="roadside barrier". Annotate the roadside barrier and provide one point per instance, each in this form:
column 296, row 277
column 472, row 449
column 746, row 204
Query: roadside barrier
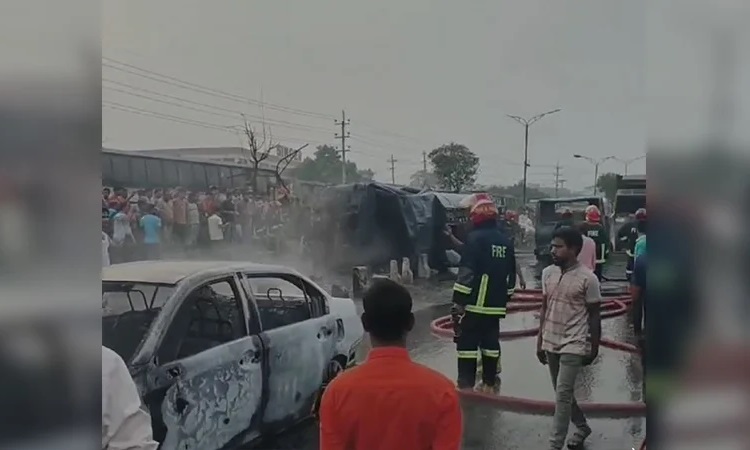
column 530, row 300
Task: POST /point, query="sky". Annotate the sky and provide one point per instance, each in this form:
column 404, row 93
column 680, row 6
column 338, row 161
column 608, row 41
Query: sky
column 410, row 76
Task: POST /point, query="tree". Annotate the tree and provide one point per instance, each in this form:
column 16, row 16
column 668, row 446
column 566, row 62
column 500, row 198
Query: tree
column 284, row 161
column 455, row 166
column 422, row 179
column 260, row 144
column 607, row 184
column 325, row 167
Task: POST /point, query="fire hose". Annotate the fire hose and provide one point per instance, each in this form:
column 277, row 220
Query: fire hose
column 531, row 300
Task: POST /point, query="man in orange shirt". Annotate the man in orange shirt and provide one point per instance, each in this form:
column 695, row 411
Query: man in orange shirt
column 390, row 402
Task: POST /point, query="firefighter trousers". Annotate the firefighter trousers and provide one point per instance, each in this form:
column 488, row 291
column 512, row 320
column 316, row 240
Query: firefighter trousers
column 479, row 335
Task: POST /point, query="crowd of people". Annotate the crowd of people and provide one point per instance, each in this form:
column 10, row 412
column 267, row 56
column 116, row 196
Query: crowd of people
column 390, row 401
column 144, row 224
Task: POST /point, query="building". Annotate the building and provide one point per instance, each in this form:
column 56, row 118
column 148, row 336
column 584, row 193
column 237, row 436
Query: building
column 234, row 155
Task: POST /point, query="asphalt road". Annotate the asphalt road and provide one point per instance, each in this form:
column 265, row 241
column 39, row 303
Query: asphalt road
column 614, row 377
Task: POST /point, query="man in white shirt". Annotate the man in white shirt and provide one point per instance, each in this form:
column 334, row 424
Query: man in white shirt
column 125, row 424
column 215, row 229
column 105, row 249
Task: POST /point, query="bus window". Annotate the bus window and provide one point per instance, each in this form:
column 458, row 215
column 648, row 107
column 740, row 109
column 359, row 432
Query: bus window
column 154, row 173
column 199, row 176
column 138, row 172
column 107, row 168
column 239, row 177
column 171, row 177
column 185, row 174
column 225, row 177
column 212, row 174
column 120, row 170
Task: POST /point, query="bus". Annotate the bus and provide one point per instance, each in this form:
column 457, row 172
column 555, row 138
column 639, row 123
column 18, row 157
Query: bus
column 138, row 171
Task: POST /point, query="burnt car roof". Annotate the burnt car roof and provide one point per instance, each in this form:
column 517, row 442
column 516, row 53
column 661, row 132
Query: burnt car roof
column 172, row 272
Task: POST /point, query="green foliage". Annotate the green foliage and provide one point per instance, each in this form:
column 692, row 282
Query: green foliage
column 607, row 184
column 455, row 166
column 325, row 167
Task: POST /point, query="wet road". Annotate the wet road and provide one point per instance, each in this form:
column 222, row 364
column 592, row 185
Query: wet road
column 614, row 377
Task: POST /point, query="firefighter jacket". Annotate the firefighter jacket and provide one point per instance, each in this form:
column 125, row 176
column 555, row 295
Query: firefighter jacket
column 487, row 272
column 597, row 232
column 627, row 235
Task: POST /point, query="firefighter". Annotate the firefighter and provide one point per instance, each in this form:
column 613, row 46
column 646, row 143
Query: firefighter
column 631, row 236
column 486, row 279
column 593, row 228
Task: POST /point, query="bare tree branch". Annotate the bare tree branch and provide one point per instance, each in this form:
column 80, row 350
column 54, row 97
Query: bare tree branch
column 284, row 161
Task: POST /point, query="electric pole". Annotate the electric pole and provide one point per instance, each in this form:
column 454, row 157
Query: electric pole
column 557, row 179
column 526, row 124
column 393, row 169
column 424, row 169
column 344, row 122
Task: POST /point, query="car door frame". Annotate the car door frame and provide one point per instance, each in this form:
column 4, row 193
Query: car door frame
column 320, row 329
column 168, row 377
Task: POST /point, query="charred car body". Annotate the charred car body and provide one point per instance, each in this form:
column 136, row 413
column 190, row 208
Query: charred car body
column 549, row 214
column 224, row 353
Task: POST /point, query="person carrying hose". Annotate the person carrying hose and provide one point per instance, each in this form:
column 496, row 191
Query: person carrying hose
column 594, row 229
column 486, row 279
column 632, row 237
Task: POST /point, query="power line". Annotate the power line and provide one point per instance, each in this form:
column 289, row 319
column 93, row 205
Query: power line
column 235, row 113
column 168, row 79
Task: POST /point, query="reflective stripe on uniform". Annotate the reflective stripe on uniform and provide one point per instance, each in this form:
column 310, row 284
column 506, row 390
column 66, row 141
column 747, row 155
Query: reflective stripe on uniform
column 482, row 296
column 491, row 353
column 461, row 289
column 487, row 310
column 511, row 291
column 467, row 354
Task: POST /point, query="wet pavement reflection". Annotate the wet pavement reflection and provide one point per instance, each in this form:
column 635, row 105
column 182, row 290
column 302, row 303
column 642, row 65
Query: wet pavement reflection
column 614, row 377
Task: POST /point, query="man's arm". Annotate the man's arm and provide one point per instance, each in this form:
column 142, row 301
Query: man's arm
column 636, row 292
column 330, row 427
column 593, row 306
column 450, row 424
column 513, row 267
column 542, row 314
column 126, row 425
column 462, row 288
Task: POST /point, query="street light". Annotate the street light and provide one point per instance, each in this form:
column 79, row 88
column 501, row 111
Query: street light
column 526, row 124
column 596, row 163
column 627, row 162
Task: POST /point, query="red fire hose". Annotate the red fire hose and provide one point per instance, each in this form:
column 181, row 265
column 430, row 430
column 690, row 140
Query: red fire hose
column 530, row 300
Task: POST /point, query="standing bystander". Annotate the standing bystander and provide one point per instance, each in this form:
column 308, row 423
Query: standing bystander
column 390, row 402
column 569, row 331
column 151, row 225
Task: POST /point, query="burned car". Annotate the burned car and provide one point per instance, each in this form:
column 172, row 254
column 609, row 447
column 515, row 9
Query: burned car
column 225, row 352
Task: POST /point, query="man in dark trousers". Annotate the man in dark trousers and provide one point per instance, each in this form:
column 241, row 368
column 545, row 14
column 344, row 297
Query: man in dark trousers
column 486, row 279
column 594, row 229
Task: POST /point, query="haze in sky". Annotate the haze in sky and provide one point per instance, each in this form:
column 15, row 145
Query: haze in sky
column 410, row 75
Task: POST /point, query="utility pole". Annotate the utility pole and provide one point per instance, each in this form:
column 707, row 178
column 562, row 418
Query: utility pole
column 344, row 122
column 424, row 169
column 526, row 124
column 558, row 181
column 393, row 169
